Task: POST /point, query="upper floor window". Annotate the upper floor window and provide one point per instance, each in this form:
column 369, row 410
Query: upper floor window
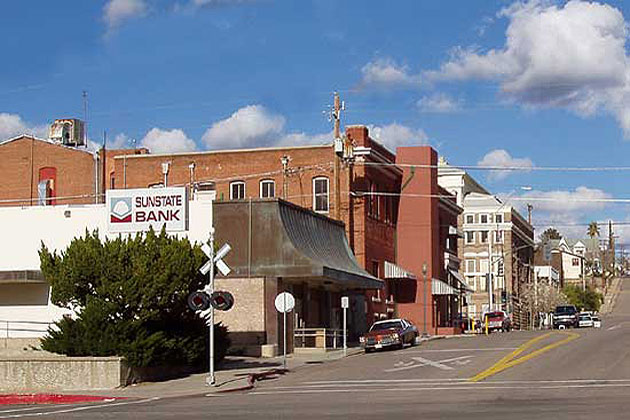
column 470, row 266
column 237, row 190
column 469, row 237
column 498, row 218
column 320, row 194
column 483, row 218
column 498, row 236
column 484, row 236
column 267, row 188
column 470, row 218
column 576, row 262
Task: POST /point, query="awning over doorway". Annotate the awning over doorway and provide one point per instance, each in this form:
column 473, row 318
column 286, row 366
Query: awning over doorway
column 393, row 271
column 439, row 287
column 462, row 281
column 274, row 238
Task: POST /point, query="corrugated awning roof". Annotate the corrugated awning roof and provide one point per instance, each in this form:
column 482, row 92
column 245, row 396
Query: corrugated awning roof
column 461, row 280
column 439, row 287
column 393, row 271
column 275, row 238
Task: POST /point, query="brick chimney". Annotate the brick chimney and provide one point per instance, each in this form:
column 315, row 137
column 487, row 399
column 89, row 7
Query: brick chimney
column 358, row 134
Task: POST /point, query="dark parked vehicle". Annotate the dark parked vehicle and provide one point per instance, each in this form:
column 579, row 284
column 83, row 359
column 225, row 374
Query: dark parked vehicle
column 566, row 316
column 497, row 321
column 389, row 333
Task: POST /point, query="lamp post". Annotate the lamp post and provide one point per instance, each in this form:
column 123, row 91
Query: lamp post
column 424, row 305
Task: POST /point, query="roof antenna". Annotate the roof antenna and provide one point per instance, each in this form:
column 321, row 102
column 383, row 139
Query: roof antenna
column 85, row 116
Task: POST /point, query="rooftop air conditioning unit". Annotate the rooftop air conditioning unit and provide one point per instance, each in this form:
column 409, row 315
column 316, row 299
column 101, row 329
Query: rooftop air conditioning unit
column 69, row 132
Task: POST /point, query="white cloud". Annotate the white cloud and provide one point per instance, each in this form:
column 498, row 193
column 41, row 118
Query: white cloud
column 565, row 202
column 386, row 73
column 394, row 135
column 12, row 125
column 167, row 141
column 501, row 158
column 303, row 139
column 116, row 12
column 250, row 126
column 440, row 103
column 571, row 55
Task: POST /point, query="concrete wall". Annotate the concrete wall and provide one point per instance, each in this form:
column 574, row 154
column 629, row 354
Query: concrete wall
column 62, row 373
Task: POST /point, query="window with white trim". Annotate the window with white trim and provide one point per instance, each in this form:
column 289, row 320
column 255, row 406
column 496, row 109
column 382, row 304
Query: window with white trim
column 498, row 218
column 320, row 194
column 484, row 218
column 469, row 237
column 470, row 218
column 484, row 236
column 470, row 266
column 237, row 190
column 483, row 266
column 267, row 188
column 498, row 236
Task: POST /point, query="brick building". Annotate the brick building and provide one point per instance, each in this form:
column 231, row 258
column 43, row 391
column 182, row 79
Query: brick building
column 364, row 194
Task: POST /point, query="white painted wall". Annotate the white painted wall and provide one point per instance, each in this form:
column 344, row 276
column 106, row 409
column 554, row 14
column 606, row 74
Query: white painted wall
column 25, row 228
column 571, row 272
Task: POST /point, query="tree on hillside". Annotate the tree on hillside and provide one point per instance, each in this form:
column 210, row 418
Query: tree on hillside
column 593, row 230
column 550, row 233
column 130, row 298
column 587, row 300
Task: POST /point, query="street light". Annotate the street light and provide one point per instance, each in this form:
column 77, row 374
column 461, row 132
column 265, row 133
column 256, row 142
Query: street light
column 424, row 306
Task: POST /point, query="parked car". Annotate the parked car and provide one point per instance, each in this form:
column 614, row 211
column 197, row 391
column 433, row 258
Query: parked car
column 585, row 321
column 597, row 322
column 389, row 333
column 565, row 316
column 497, row 321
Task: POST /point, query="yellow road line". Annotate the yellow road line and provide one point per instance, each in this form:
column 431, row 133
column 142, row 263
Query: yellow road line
column 510, row 360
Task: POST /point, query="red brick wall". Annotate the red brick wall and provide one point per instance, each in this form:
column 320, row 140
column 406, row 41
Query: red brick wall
column 22, row 160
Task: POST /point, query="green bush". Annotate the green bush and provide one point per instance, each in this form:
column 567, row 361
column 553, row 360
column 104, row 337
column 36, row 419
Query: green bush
column 130, row 298
column 587, row 300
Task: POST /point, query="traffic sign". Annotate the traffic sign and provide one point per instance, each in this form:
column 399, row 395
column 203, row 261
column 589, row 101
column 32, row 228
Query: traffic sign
column 345, row 302
column 285, row 302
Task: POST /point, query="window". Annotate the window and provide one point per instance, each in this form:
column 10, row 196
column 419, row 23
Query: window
column 498, row 236
column 46, row 187
column 576, row 262
column 112, row 181
column 470, row 266
column 469, row 237
column 320, row 194
column 498, row 218
column 483, row 266
column 499, row 268
column 483, row 218
column 373, row 209
column 470, row 218
column 237, row 190
column 375, row 268
column 484, row 236
column 267, row 188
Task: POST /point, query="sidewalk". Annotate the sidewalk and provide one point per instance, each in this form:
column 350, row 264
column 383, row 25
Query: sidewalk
column 611, row 297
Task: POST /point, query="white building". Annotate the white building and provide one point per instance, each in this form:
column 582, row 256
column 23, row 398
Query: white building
column 25, row 307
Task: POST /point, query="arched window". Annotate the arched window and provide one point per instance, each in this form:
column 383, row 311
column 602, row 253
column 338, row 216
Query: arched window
column 267, row 188
column 320, row 194
column 237, row 190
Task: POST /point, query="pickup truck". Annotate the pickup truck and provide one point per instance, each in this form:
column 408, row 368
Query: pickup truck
column 566, row 316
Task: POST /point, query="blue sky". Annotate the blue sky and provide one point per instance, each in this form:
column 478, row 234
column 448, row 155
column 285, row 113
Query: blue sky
column 538, row 83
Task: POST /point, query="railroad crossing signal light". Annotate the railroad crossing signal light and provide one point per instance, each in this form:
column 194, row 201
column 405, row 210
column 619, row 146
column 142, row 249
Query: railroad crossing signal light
column 199, row 301
column 222, row 301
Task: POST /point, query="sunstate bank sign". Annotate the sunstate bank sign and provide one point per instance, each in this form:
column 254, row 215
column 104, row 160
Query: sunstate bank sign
column 138, row 210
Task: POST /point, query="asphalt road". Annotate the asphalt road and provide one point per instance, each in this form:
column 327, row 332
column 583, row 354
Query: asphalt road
column 574, row 374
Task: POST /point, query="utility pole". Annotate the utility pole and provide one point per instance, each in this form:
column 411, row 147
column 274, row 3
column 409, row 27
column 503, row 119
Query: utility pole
column 611, row 248
column 336, row 118
column 529, row 213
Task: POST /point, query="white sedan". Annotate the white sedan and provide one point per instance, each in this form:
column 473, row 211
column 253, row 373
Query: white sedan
column 597, row 323
column 585, row 321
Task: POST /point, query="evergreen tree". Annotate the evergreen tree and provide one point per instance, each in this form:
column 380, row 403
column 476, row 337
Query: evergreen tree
column 130, row 296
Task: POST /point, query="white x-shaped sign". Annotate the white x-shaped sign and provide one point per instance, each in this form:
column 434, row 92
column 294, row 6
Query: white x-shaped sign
column 421, row 361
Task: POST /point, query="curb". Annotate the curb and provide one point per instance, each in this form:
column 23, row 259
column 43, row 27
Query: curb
column 18, row 399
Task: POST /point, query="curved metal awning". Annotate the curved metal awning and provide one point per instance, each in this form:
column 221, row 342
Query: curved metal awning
column 274, row 238
column 439, row 287
column 461, row 281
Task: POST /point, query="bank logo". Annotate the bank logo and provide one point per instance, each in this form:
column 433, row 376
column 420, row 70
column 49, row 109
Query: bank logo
column 120, row 210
